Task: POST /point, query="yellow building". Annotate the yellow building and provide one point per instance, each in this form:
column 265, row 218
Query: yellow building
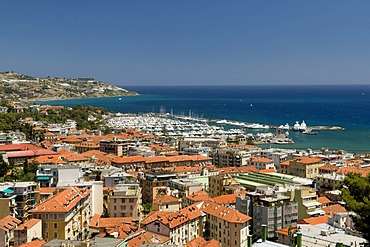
column 226, row 225
column 65, row 215
column 307, row 167
column 218, row 183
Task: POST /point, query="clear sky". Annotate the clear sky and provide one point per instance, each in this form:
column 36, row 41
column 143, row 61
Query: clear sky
column 157, row 42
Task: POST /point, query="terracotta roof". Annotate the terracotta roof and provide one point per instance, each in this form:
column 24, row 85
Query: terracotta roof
column 260, row 160
column 267, row 170
column 329, row 167
column 49, row 134
column 285, row 231
column 161, row 148
column 128, row 159
column 62, row 202
column 225, row 213
column 308, row 160
column 72, row 139
column 336, row 208
column 200, row 158
column 315, row 220
column 355, row 169
column 155, row 159
column 234, row 169
column 147, row 238
column 152, row 216
column 47, row 190
column 165, row 199
column 224, row 199
column 34, row 243
column 180, row 217
column 69, row 156
column 91, row 153
column 49, row 159
column 192, row 169
column 285, row 163
column 18, row 147
column 38, row 128
column 179, row 158
column 201, row 242
column 30, row 153
column 323, row 200
column 8, row 223
column 198, row 196
column 116, row 221
column 28, row 224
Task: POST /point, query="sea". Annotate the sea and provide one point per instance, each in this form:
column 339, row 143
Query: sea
column 346, row 106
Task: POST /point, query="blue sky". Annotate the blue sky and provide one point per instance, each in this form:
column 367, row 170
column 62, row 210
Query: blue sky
column 157, row 42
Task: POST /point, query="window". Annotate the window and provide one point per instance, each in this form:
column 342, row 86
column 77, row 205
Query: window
column 55, row 225
column 55, row 234
column 123, row 200
column 166, row 205
column 46, row 225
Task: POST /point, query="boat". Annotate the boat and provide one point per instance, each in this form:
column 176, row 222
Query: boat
column 309, row 131
column 296, row 126
column 119, row 98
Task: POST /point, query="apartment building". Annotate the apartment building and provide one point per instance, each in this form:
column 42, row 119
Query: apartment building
column 181, row 226
column 306, row 167
column 226, row 225
column 166, row 203
column 7, row 201
column 261, row 163
column 7, row 226
column 226, row 157
column 307, row 199
column 328, row 182
column 270, row 208
column 65, row 215
column 125, row 201
column 27, row 196
column 26, row 232
column 119, row 147
column 218, row 184
column 152, row 181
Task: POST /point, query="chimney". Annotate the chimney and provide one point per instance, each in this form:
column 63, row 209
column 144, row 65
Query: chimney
column 250, row 240
column 299, row 237
column 264, row 233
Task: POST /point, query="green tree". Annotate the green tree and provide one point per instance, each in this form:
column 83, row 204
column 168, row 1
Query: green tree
column 356, row 193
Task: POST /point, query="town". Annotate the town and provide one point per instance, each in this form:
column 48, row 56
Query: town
column 81, row 177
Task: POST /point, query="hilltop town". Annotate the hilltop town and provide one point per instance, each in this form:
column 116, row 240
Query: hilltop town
column 19, row 87
column 79, row 177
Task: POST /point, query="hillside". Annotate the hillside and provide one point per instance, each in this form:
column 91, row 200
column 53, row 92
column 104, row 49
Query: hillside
column 18, row 87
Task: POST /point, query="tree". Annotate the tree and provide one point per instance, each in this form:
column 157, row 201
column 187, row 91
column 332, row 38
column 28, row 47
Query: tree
column 356, row 193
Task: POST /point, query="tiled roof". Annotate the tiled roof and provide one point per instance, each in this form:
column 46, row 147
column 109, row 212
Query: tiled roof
column 198, row 196
column 308, row 160
column 165, row 199
column 329, row 167
column 200, row 158
column 116, row 221
column 179, row 158
column 30, row 153
column 69, row 156
column 225, row 213
column 72, row 139
column 285, row 231
column 28, row 224
column 92, row 153
column 147, row 238
column 192, row 169
column 224, row 199
column 201, row 242
column 152, row 216
column 49, row 134
column 47, row 190
column 62, row 202
column 315, row 220
column 260, row 160
column 49, row 159
column 18, row 147
column 323, row 200
column 180, row 217
column 355, row 169
column 128, row 159
column 155, row 159
column 8, row 223
column 336, row 208
column 161, row 148
column 34, row 243
column 234, row 169
column 285, row 163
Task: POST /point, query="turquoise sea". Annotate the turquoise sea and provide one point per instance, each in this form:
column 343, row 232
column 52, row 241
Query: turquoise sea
column 347, row 106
